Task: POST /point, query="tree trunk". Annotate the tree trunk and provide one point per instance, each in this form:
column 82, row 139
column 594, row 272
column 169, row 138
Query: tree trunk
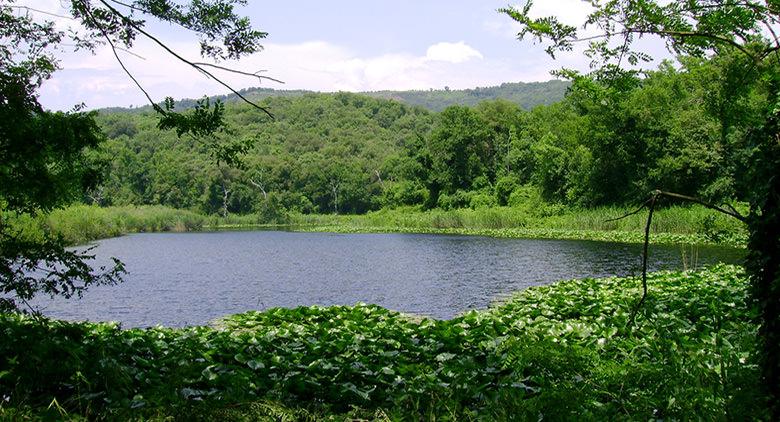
column 259, row 186
column 763, row 260
column 763, row 263
column 225, row 197
column 379, row 178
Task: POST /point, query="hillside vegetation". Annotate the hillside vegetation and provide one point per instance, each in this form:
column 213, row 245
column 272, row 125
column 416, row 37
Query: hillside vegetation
column 348, row 153
column 526, row 95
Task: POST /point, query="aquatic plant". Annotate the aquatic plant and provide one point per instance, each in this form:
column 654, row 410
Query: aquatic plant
column 560, row 351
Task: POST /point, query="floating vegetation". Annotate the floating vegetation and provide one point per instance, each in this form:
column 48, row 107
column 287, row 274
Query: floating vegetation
column 561, row 351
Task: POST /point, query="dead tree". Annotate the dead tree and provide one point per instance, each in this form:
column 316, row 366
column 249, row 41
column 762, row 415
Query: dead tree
column 335, row 185
column 379, row 178
column 259, row 186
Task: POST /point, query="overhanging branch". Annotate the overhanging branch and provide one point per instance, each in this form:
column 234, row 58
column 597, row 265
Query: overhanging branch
column 650, row 205
column 170, row 51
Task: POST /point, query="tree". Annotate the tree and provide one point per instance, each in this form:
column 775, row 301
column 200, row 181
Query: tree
column 48, row 159
column 745, row 28
column 460, row 146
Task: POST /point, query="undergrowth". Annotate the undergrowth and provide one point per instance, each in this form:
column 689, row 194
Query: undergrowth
column 558, row 352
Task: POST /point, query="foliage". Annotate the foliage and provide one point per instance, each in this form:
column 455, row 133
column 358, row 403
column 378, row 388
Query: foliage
column 348, row 153
column 48, row 160
column 44, row 162
column 692, row 355
column 525, row 95
column 740, row 35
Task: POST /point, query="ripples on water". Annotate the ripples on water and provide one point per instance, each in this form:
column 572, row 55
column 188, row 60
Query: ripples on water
column 178, row 279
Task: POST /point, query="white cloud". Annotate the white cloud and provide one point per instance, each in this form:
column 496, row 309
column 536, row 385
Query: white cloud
column 452, row 52
column 313, row 65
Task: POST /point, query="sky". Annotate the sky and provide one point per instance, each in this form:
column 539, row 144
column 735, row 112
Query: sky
column 340, row 45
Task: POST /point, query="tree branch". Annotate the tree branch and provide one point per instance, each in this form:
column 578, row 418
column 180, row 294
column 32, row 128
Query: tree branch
column 43, row 12
column 121, row 63
column 646, row 246
column 227, row 69
column 650, row 204
column 732, row 212
column 680, row 34
column 182, row 59
column 631, row 213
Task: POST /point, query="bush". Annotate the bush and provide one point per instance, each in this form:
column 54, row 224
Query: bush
column 460, row 199
column 505, row 186
column 404, row 193
column 482, row 200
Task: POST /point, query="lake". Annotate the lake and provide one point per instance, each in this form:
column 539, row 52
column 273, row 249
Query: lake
column 179, row 279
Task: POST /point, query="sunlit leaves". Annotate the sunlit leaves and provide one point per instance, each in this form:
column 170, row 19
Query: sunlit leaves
column 689, row 27
column 562, row 36
column 694, row 338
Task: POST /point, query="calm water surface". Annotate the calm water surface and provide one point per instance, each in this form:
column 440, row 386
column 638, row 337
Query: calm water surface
column 178, row 279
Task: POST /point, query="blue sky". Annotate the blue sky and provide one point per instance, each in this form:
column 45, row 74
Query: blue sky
column 330, row 46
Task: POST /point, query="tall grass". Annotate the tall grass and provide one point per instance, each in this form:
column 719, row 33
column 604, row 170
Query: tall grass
column 676, row 220
column 82, row 223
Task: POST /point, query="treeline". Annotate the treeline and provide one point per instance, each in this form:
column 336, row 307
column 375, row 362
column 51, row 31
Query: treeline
column 526, row 95
column 679, row 129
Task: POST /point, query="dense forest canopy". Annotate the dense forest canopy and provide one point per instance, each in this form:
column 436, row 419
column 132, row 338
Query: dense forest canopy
column 526, row 95
column 351, row 153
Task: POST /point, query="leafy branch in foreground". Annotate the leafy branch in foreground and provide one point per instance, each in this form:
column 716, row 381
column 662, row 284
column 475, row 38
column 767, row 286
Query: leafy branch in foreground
column 48, row 159
column 704, row 28
column 30, row 267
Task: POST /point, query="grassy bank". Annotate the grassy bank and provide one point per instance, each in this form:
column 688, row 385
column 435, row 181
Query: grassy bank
column 692, row 225
column 555, row 352
column 79, row 224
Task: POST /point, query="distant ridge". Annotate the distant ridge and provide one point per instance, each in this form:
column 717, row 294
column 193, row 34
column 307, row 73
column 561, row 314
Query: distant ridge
column 525, row 94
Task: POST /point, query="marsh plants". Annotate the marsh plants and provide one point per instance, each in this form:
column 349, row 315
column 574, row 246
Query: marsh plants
column 557, row 352
column 78, row 224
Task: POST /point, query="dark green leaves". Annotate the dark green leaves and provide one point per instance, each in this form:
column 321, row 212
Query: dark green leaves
column 561, row 351
column 201, row 120
column 215, row 21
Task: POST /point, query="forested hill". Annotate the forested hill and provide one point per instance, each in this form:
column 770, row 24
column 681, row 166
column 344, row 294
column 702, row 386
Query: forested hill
column 526, row 95
column 351, row 153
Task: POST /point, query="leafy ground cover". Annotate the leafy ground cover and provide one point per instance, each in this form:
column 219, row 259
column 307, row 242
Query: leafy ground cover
column 520, row 233
column 556, row 352
column 673, row 225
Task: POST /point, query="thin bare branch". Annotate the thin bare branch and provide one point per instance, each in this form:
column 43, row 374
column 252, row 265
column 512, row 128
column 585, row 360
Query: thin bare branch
column 119, row 60
column 679, row 34
column 732, row 212
column 638, row 210
column 182, row 59
column 774, row 35
column 149, row 12
column 43, row 12
column 240, row 72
